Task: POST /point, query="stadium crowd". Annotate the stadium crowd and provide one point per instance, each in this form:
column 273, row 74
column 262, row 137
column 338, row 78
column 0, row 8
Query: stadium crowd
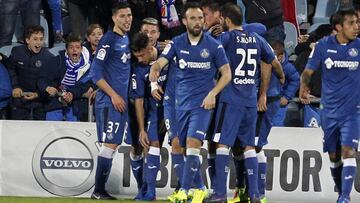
column 37, row 83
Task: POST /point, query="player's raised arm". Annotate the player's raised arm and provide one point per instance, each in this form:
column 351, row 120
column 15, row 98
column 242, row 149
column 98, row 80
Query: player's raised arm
column 156, row 68
column 210, row 100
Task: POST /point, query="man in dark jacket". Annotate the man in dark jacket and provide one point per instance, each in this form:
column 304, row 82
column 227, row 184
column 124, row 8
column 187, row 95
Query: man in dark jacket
column 24, row 67
column 5, row 89
column 65, row 88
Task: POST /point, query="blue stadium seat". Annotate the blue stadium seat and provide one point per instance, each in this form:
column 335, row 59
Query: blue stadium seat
column 301, row 11
column 324, row 9
column 57, row 47
column 7, row 49
column 44, row 24
column 291, row 37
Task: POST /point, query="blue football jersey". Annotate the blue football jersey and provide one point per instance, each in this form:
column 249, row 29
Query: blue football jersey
column 244, row 51
column 112, row 63
column 339, row 64
column 196, row 68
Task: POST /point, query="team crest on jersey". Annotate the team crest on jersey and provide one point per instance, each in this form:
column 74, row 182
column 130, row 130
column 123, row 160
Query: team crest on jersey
column 204, row 53
column 38, row 63
column 353, row 52
column 182, row 64
column 101, row 54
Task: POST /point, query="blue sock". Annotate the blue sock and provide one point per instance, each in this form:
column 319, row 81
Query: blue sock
column 222, row 170
column 336, row 171
column 102, row 173
column 251, row 165
column 239, row 162
column 348, row 176
column 211, row 169
column 152, row 168
column 178, row 164
column 137, row 168
column 191, row 167
column 262, row 173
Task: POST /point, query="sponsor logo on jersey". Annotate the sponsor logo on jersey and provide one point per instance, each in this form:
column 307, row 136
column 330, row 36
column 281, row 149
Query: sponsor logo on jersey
column 184, row 52
column 351, row 65
column 244, row 81
column 204, row 53
column 331, row 51
column 101, row 54
column 194, row 65
column 182, row 64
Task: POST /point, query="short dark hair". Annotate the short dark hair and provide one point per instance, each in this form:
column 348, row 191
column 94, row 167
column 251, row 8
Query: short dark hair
column 118, row 6
column 33, row 29
column 72, row 38
column 339, row 17
column 278, row 46
column 190, row 5
column 139, row 41
column 211, row 4
column 92, row 27
column 233, row 12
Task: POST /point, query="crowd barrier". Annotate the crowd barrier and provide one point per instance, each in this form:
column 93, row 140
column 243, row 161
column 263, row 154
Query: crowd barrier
column 48, row 159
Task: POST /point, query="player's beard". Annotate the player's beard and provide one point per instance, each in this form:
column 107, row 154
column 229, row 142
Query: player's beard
column 194, row 32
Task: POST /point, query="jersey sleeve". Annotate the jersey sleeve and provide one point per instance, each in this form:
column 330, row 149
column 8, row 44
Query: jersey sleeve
column 267, row 53
column 314, row 60
column 223, row 39
column 102, row 53
column 138, row 84
column 169, row 51
column 220, row 56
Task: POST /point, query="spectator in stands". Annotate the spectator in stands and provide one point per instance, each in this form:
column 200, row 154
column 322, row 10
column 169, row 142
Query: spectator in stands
column 94, row 33
column 81, row 12
column 291, row 86
column 269, row 13
column 65, row 88
column 55, row 8
column 303, row 49
column 5, row 89
column 24, row 67
column 30, row 15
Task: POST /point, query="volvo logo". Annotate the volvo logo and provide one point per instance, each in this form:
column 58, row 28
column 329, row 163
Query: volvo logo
column 63, row 162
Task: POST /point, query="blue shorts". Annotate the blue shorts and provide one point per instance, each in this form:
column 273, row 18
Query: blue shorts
column 235, row 122
column 170, row 121
column 265, row 122
column 153, row 125
column 340, row 132
column 193, row 123
column 111, row 125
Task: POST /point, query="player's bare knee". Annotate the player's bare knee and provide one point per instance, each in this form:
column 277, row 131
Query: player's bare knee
column 334, row 157
column 347, row 152
column 136, row 150
column 110, row 145
column 218, row 145
column 258, row 149
column 247, row 148
column 237, row 151
column 155, row 144
column 193, row 143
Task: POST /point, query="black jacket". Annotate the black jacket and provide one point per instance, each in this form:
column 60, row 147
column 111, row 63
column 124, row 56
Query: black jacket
column 24, row 69
column 267, row 12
